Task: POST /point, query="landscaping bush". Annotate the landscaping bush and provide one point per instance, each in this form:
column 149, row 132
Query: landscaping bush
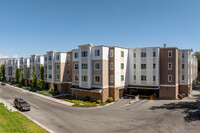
column 52, row 89
column 86, row 98
column 98, row 101
column 110, row 99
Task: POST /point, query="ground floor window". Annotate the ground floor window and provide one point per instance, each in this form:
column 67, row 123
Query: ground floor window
column 84, row 78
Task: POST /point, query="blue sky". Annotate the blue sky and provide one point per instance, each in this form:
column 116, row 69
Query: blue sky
column 37, row 26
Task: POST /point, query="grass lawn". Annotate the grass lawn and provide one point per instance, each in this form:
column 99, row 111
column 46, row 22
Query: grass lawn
column 15, row 122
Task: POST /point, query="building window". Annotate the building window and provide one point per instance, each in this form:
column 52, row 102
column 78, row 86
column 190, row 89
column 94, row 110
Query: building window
column 143, row 66
column 38, row 67
column 38, row 59
column 143, row 54
column 57, row 76
column 57, row 67
column 183, row 77
column 122, row 65
column 97, row 79
column 169, row 66
column 111, row 78
column 68, row 66
column 122, row 77
column 75, row 66
column 111, row 65
column 68, row 56
column 170, row 54
column 84, row 78
column 96, row 66
column 57, row 57
column 50, row 76
column 49, row 58
column 154, row 53
column 76, row 55
column 183, row 66
column 134, row 77
column 134, row 54
column 111, row 53
column 84, row 54
column 154, row 78
column 68, row 77
column 169, row 78
column 85, row 66
column 122, row 53
column 45, row 75
column 45, row 67
column 154, row 66
column 45, row 58
column 97, row 52
column 143, row 77
column 50, row 67
column 183, row 55
column 134, row 66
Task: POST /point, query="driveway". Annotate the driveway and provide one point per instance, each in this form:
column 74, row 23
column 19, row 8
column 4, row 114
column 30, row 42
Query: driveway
column 140, row 116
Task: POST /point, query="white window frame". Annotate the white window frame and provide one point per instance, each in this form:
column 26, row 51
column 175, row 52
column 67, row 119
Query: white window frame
column 168, row 65
column 85, row 64
column 75, row 66
column 153, row 53
column 111, row 53
column 111, row 78
column 68, row 66
column 168, row 78
column 111, row 66
column 95, row 79
column 122, row 54
column 183, row 77
column 96, row 52
column 95, row 65
column 75, row 77
column 57, row 75
column 82, row 78
column 56, row 67
column 58, row 57
column 76, row 53
column 145, row 78
column 169, row 52
column 153, row 78
column 122, row 64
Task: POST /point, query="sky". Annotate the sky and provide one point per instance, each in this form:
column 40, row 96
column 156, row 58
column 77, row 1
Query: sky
column 36, row 26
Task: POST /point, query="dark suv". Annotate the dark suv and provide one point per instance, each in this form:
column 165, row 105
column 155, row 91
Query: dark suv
column 21, row 104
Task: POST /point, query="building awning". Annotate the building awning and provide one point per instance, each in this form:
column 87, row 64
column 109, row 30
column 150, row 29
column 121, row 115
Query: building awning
column 143, row 87
column 93, row 89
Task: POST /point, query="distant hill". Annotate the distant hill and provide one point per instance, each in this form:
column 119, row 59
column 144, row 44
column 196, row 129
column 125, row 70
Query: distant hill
column 2, row 60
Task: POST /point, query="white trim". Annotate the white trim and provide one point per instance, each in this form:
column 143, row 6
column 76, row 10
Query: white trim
column 110, row 78
column 99, row 79
column 168, row 53
column 111, row 64
column 168, row 65
column 111, row 51
column 171, row 78
column 164, row 85
column 95, row 65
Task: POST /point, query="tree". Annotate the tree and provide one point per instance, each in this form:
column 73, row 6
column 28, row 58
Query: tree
column 2, row 72
column 17, row 75
column 26, row 80
column 40, row 81
column 33, row 78
column 197, row 54
column 21, row 76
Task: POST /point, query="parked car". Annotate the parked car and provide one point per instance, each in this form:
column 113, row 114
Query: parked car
column 3, row 83
column 21, row 104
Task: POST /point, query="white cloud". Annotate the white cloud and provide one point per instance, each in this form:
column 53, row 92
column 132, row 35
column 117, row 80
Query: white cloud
column 2, row 56
column 15, row 56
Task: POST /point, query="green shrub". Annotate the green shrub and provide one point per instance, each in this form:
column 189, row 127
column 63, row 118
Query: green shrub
column 98, row 101
column 52, row 89
column 110, row 99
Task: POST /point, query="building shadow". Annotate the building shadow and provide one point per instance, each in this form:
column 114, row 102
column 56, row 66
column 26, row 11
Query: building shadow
column 188, row 108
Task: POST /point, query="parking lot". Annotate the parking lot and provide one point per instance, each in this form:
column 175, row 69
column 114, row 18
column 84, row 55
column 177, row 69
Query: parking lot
column 139, row 116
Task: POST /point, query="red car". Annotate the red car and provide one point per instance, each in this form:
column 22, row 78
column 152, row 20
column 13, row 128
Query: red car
column 21, row 104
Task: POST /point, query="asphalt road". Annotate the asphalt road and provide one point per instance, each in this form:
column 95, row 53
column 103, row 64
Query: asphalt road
column 140, row 116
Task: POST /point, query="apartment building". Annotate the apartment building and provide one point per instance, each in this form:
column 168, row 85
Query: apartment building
column 26, row 67
column 55, row 70
column 144, row 69
column 110, row 71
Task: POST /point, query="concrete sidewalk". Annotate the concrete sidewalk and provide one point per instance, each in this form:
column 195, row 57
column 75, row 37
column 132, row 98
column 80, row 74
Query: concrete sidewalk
column 43, row 96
